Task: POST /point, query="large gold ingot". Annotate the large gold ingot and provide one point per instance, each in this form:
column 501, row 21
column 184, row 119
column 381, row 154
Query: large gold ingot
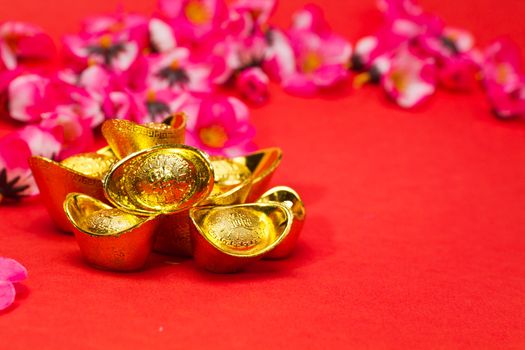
column 227, row 238
column 232, row 183
column 109, row 238
column 80, row 173
column 262, row 164
column 160, row 180
column 289, row 198
column 125, row 137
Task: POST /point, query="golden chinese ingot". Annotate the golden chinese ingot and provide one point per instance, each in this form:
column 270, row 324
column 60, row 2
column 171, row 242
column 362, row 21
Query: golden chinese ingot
column 227, row 238
column 262, row 164
column 288, row 197
column 125, row 137
column 80, row 173
column 159, row 180
column 173, row 233
column 108, row 237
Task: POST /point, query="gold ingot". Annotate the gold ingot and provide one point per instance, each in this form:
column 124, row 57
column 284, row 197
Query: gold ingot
column 262, row 164
column 109, row 238
column 227, row 238
column 126, row 137
column 288, row 197
column 80, row 173
column 229, row 187
column 160, row 180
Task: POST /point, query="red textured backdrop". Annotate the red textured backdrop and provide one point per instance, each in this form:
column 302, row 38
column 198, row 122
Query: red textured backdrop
column 414, row 237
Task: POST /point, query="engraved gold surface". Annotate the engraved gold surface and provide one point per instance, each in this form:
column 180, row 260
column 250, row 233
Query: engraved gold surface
column 55, row 180
column 231, row 186
column 226, row 238
column 125, row 137
column 108, row 237
column 162, row 179
column 262, row 164
column 288, row 197
column 90, row 164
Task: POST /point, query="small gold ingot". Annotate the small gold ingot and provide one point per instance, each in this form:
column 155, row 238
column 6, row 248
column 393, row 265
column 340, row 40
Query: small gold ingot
column 80, row 173
column 227, row 238
column 109, row 238
column 288, row 197
column 125, row 137
column 229, row 187
column 160, row 180
column 262, row 164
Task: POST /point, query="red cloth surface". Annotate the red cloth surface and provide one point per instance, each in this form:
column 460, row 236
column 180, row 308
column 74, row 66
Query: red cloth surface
column 414, row 236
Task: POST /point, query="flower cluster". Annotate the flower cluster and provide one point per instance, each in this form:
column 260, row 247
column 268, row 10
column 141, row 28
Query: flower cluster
column 414, row 52
column 210, row 58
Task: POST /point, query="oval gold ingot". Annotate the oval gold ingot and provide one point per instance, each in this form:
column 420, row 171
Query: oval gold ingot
column 79, row 173
column 109, row 238
column 288, row 197
column 125, row 137
column 227, row 238
column 232, row 183
column 262, row 164
column 162, row 179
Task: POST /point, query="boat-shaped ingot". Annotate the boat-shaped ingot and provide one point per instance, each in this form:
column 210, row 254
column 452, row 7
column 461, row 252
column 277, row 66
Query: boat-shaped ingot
column 262, row 164
column 227, row 238
column 160, row 180
column 126, row 137
column 109, row 238
column 232, row 183
column 80, row 173
column 288, row 197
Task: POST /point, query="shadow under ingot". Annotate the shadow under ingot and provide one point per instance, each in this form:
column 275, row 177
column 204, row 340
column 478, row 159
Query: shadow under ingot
column 126, row 137
column 289, row 198
column 262, row 164
column 80, row 173
column 109, row 238
column 227, row 238
column 159, row 180
column 229, row 187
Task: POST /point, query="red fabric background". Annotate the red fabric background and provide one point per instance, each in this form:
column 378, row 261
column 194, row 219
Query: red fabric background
column 414, row 236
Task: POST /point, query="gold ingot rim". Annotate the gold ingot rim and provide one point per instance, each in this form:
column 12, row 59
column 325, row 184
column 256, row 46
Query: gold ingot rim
column 267, row 171
column 101, row 205
column 206, row 190
column 113, row 129
column 259, row 253
column 300, row 214
column 225, row 197
column 71, row 169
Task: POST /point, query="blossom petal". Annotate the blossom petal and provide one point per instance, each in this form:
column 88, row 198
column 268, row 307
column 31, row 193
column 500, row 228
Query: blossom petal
column 11, row 270
column 7, row 294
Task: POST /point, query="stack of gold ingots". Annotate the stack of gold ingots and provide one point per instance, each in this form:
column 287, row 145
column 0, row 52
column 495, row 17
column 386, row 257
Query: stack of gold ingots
column 148, row 191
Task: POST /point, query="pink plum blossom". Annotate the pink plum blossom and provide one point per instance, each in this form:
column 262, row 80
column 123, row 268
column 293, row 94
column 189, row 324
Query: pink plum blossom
column 76, row 133
column 174, row 70
column 279, row 57
column 42, row 141
column 410, row 79
column 11, row 272
column 252, row 84
column 321, row 62
column 259, row 10
column 117, row 50
column 20, row 42
column 194, row 19
column 16, row 180
column 26, row 93
column 504, row 79
column 218, row 125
